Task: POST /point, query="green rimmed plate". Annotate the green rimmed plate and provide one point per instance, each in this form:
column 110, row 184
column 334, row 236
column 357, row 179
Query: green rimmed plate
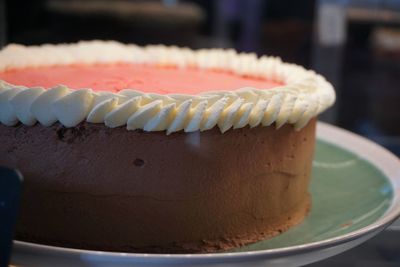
column 356, row 194
column 362, row 194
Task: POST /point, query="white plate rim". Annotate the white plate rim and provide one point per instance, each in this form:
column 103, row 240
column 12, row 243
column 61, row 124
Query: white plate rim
column 381, row 158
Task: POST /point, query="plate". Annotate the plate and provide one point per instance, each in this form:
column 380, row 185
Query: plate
column 356, row 194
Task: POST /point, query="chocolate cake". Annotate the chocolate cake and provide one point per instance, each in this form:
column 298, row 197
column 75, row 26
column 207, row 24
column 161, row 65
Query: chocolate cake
column 157, row 149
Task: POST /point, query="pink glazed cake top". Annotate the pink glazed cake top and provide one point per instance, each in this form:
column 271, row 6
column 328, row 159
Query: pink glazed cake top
column 145, row 78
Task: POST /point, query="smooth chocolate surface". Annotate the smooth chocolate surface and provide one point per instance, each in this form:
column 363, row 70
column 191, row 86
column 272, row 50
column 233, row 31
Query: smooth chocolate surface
column 112, row 189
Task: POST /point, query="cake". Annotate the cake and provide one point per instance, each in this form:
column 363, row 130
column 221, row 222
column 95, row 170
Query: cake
column 157, row 149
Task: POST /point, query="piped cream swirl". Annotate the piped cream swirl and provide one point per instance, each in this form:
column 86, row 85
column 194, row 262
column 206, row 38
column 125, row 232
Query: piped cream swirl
column 304, row 95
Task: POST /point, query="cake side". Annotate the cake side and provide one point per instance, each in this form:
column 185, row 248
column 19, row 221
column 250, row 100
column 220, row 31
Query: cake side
column 111, row 189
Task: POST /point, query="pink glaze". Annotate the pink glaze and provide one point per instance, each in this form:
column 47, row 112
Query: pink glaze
column 146, row 78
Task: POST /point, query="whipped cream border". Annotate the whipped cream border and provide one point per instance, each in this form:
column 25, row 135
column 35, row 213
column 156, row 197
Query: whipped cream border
column 304, row 95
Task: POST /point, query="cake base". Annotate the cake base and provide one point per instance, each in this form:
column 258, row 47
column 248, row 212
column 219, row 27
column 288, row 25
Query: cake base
column 98, row 188
column 201, row 246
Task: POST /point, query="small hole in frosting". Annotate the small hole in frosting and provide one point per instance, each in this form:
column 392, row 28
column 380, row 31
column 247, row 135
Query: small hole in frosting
column 138, row 162
column 60, row 133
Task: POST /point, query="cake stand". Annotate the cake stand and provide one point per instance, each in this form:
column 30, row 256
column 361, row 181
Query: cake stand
column 356, row 194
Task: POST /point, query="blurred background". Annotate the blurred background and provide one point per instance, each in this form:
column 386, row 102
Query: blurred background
column 355, row 44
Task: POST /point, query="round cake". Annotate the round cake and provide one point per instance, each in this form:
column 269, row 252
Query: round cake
column 157, row 149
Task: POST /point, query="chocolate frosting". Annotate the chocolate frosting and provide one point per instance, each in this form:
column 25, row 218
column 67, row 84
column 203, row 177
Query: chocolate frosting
column 111, row 189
